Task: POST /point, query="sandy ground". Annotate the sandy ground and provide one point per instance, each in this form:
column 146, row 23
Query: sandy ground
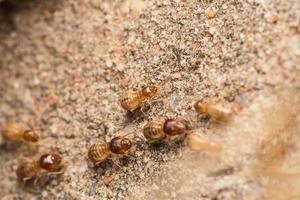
column 64, row 65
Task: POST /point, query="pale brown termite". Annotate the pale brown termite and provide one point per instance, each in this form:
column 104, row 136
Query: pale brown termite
column 198, row 141
column 14, row 132
column 100, row 151
column 31, row 168
column 131, row 100
column 156, row 130
column 220, row 111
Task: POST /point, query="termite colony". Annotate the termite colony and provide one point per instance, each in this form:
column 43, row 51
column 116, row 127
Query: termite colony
column 154, row 131
column 130, row 101
column 31, row 168
column 162, row 129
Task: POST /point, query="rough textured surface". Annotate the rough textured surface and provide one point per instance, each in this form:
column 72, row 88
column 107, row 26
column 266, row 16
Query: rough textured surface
column 65, row 63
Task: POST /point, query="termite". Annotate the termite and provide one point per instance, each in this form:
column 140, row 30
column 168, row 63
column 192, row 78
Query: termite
column 15, row 132
column 32, row 168
column 156, row 130
column 131, row 100
column 219, row 111
column 100, row 151
column 196, row 140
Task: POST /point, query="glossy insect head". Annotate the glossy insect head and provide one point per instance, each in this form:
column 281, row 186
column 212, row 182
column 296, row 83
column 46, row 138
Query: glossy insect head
column 120, row 145
column 50, row 162
column 150, row 91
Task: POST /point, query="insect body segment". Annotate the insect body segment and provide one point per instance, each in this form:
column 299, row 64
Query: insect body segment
column 157, row 130
column 100, row 151
column 14, row 132
column 153, row 130
column 27, row 170
column 131, row 100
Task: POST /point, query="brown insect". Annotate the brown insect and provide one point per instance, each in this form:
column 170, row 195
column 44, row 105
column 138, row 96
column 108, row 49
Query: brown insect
column 158, row 130
column 199, row 141
column 32, row 168
column 131, row 100
column 14, row 132
column 217, row 111
column 100, row 151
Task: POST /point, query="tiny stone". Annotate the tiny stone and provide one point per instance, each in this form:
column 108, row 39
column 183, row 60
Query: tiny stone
column 156, row 59
column 109, row 63
column 73, row 97
column 210, row 13
column 212, row 30
column 162, row 45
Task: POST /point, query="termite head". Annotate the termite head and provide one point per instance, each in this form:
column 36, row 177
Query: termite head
column 119, row 145
column 150, row 91
column 175, row 127
column 50, row 162
column 30, row 136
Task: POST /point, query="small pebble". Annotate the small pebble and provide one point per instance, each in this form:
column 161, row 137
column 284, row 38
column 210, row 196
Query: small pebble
column 210, row 13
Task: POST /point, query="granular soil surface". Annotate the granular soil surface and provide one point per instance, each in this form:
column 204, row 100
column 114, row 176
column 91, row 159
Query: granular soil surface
column 64, row 65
